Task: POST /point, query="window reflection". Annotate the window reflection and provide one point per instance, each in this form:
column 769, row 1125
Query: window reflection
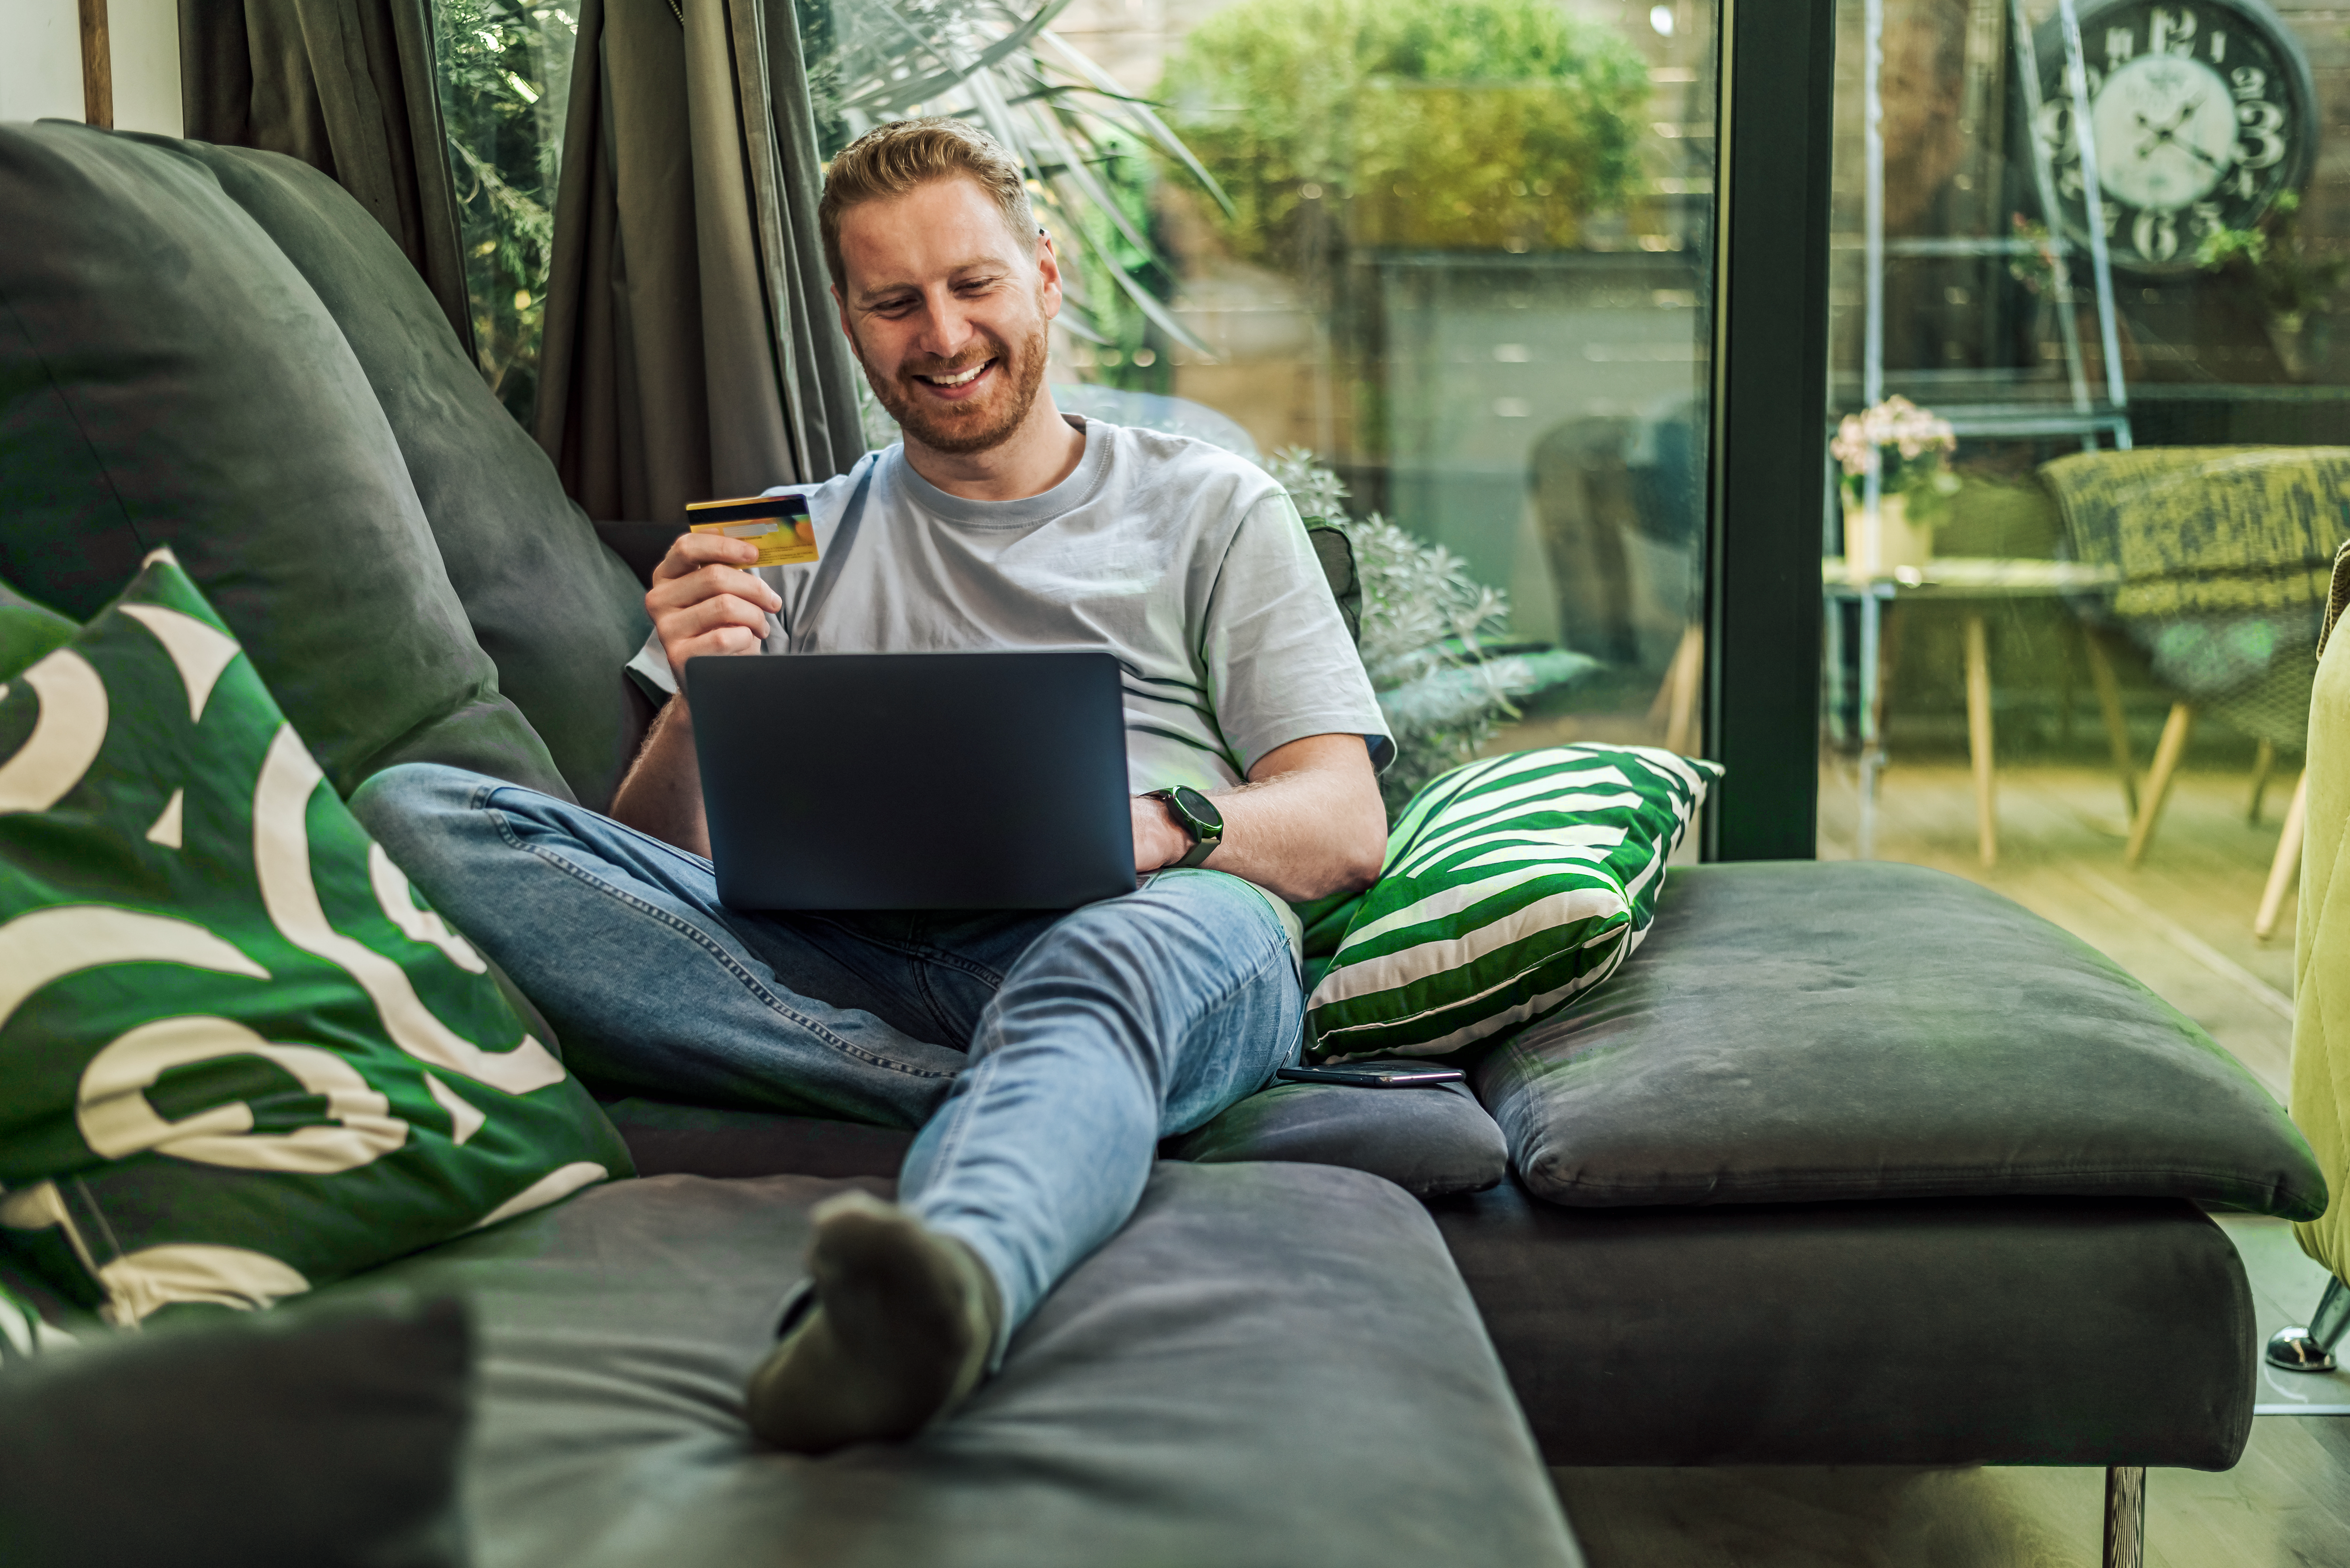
column 2099, row 240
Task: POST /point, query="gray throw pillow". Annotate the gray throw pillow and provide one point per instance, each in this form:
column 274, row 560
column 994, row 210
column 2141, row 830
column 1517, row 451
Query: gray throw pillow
column 1431, row 1141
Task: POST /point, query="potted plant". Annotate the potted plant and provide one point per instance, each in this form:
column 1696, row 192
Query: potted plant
column 2293, row 287
column 1896, row 459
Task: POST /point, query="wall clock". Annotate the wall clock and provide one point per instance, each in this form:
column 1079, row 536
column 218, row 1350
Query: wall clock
column 2201, row 114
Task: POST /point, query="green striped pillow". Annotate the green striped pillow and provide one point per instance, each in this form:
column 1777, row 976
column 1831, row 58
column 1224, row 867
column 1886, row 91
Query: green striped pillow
column 1513, row 886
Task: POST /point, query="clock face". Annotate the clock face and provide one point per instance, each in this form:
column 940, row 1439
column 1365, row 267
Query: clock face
column 2199, row 116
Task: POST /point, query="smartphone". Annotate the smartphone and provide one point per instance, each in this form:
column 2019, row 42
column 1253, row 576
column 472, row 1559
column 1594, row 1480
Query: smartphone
column 1372, row 1075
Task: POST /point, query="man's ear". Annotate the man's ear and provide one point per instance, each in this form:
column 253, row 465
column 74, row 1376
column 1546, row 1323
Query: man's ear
column 1048, row 275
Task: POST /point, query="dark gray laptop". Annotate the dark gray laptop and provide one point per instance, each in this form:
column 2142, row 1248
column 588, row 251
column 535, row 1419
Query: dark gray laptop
column 914, row 781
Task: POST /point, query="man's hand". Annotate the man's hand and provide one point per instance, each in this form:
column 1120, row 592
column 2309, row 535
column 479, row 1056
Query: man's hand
column 701, row 601
column 1309, row 823
column 1157, row 841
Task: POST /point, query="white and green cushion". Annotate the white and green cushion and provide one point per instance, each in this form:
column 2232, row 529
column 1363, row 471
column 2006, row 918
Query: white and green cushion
column 24, row 1331
column 1513, row 886
column 238, row 1058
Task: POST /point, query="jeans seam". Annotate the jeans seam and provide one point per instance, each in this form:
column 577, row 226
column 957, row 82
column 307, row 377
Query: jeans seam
column 727, row 961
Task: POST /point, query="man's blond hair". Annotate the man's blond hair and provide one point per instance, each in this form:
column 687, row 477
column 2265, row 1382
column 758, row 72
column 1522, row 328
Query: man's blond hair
column 893, row 159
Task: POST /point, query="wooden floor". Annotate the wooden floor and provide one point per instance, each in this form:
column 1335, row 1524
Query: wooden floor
column 2182, row 923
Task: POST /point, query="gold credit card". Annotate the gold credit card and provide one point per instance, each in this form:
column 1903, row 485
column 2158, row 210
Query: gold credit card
column 778, row 525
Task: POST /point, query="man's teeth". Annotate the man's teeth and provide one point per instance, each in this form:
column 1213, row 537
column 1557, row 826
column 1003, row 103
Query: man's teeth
column 960, row 378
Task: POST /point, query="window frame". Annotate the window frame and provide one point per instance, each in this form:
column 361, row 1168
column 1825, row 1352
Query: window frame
column 1768, row 476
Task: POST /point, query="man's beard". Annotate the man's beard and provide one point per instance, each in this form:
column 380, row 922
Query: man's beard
column 982, row 423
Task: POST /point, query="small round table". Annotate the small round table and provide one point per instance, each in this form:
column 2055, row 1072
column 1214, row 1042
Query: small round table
column 1971, row 579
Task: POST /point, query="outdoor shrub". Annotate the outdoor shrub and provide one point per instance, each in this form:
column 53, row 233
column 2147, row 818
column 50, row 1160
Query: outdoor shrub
column 1427, row 124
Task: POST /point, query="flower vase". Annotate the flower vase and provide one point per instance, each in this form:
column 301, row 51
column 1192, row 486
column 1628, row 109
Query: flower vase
column 1880, row 541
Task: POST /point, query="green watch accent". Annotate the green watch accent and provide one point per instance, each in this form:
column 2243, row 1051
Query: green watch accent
column 1198, row 817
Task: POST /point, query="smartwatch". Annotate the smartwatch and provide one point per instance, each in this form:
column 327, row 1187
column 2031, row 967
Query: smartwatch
column 1198, row 817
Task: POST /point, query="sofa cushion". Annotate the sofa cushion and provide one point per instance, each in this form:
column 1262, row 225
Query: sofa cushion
column 240, row 1058
column 666, row 1138
column 1425, row 1140
column 1269, row 1366
column 324, row 1438
column 1432, row 1140
column 1512, row 887
column 167, row 377
column 557, row 613
column 1809, row 1032
column 1943, row 1331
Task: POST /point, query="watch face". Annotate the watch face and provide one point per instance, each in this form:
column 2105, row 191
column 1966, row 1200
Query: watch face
column 2199, row 116
column 1197, row 806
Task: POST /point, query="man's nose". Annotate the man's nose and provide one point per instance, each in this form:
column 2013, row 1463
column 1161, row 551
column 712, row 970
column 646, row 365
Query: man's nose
column 946, row 327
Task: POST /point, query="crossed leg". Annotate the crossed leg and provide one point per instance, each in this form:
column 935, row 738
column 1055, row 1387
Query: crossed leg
column 1085, row 1037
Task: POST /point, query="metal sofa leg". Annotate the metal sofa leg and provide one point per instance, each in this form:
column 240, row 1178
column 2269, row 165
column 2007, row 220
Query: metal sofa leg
column 2311, row 1349
column 2126, row 1516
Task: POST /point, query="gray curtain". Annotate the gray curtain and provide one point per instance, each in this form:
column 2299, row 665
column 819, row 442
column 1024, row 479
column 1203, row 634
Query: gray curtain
column 348, row 86
column 691, row 350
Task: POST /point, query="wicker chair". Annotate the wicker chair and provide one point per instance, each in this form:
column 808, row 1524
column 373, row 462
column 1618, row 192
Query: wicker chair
column 2225, row 554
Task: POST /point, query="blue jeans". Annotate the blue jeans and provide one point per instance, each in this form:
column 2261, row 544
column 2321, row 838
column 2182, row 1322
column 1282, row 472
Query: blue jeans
column 1043, row 1055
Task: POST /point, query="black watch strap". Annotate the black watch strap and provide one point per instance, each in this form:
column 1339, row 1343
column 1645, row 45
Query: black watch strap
column 1198, row 817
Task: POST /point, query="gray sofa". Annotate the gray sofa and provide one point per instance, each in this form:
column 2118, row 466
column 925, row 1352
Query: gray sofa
column 1849, row 1164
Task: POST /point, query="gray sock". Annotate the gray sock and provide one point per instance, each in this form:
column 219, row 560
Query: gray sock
column 900, row 1334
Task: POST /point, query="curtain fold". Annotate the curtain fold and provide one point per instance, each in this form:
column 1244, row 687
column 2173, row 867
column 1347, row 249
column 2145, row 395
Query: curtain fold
column 350, row 87
column 689, row 350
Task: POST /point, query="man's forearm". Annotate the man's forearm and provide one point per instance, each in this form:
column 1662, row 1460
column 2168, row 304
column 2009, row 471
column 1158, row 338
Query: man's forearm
column 662, row 791
column 1309, row 824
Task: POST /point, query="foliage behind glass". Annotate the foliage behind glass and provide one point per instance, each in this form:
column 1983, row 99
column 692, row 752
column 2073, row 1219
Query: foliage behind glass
column 505, row 79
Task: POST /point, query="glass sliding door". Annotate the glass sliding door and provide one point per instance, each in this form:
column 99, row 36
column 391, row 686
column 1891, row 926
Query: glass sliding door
column 1445, row 266
column 2073, row 581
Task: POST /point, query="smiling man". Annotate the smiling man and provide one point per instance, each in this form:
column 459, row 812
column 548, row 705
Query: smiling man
column 1042, row 1055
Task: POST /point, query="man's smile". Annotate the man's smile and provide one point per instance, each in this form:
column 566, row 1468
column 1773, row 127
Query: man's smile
column 955, row 383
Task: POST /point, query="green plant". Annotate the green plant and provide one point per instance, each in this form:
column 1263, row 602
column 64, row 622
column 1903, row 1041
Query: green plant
column 505, row 71
column 1492, row 124
column 1427, row 637
column 2275, row 265
column 1131, row 352
column 1080, row 134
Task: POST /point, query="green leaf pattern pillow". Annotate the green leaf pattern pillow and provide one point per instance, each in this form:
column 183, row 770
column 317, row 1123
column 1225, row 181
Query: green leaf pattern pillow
column 238, row 1058
column 1513, row 886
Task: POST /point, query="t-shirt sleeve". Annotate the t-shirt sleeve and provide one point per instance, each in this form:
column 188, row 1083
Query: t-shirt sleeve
column 1280, row 665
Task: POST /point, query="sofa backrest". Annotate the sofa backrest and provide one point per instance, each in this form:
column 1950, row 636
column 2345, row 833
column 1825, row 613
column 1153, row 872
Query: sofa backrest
column 557, row 613
column 168, row 377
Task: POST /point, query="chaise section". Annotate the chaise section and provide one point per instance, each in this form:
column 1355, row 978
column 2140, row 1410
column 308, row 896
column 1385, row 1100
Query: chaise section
column 1829, row 1032
column 1242, row 1376
column 1928, row 1331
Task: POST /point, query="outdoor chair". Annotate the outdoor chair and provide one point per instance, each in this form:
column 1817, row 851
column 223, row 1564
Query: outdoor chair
column 2224, row 555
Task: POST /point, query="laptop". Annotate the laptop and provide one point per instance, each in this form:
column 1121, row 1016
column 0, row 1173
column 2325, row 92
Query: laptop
column 914, row 781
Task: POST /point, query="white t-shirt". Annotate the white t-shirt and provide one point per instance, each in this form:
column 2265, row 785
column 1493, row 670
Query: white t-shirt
column 1186, row 563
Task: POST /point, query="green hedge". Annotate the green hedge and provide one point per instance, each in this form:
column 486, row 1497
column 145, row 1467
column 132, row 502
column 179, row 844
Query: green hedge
column 1424, row 124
